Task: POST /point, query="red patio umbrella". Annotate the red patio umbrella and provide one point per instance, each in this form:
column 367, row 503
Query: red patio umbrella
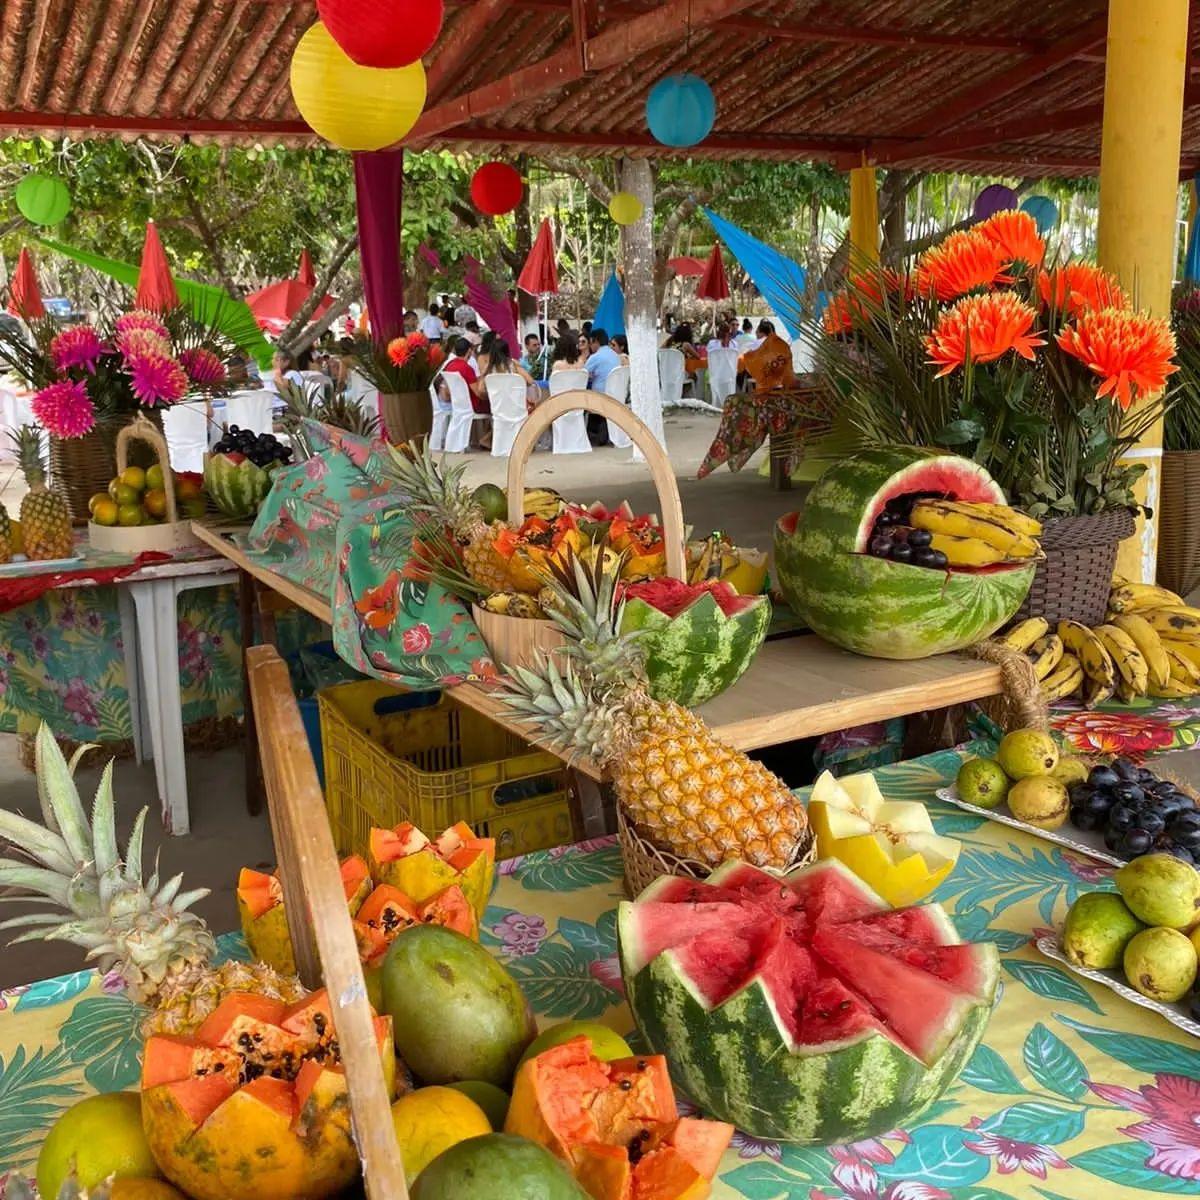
column 686, row 265
column 305, row 272
column 539, row 275
column 155, row 287
column 276, row 304
column 713, row 285
column 25, row 297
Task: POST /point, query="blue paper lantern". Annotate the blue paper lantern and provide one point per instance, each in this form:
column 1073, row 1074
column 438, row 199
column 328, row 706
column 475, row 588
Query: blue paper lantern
column 1043, row 210
column 993, row 199
column 680, row 110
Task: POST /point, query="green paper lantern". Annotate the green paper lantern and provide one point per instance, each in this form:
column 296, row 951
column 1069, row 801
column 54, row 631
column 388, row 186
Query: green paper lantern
column 43, row 199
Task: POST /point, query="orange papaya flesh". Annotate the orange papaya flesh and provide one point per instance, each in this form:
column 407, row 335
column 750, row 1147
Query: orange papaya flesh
column 701, row 1143
column 406, row 859
column 356, row 881
column 388, row 909
column 200, row 1097
column 168, row 1059
column 451, row 908
column 259, row 891
column 239, row 1012
column 666, row 1175
column 603, row 1171
column 277, row 1094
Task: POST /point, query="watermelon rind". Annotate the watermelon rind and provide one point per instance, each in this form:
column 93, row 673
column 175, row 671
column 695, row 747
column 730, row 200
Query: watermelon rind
column 875, row 606
column 692, row 657
column 237, row 489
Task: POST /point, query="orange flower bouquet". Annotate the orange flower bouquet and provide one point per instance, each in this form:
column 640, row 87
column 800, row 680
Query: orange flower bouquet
column 1044, row 374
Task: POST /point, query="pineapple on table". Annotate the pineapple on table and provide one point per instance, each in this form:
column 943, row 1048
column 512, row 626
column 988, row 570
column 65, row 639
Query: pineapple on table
column 685, row 789
column 6, row 544
column 45, row 518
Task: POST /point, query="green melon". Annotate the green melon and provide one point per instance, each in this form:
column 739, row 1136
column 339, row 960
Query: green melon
column 875, row 606
column 699, row 638
column 808, row 1012
column 237, row 487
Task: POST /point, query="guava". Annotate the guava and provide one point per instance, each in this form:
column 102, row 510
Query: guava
column 1161, row 964
column 1099, row 926
column 1039, row 801
column 1160, row 889
column 1070, row 770
column 982, row 781
column 1027, row 752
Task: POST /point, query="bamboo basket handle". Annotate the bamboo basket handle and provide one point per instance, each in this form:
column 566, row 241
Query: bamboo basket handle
column 141, row 430
column 661, row 474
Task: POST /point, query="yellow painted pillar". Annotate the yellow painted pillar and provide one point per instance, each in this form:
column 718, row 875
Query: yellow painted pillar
column 1139, row 192
column 864, row 218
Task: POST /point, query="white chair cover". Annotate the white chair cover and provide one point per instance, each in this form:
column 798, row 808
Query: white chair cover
column 462, row 415
column 722, row 373
column 569, row 433
column 250, row 410
column 670, row 376
column 617, row 386
column 186, row 428
column 441, row 417
column 506, row 394
column 16, row 409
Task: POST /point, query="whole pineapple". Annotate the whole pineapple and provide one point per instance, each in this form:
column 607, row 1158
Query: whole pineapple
column 6, row 547
column 98, row 900
column 685, row 789
column 439, row 495
column 45, row 518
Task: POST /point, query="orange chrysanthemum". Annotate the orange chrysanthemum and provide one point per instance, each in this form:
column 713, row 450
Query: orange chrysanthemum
column 399, row 351
column 964, row 262
column 1080, row 287
column 863, row 294
column 1014, row 234
column 1131, row 352
column 840, row 313
column 980, row 329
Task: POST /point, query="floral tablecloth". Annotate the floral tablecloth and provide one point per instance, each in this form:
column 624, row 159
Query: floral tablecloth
column 1074, row 1093
column 750, row 418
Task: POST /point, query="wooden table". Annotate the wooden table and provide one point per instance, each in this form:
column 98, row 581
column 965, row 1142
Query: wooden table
column 798, row 686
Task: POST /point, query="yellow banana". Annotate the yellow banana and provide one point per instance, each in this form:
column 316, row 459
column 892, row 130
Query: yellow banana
column 1046, row 653
column 1095, row 692
column 966, row 521
column 1174, row 690
column 1134, row 597
column 1090, row 651
column 1145, row 638
column 1125, row 693
column 1064, row 680
column 1127, row 658
column 1017, row 521
column 1188, row 650
column 1183, row 670
column 968, row 551
column 1023, row 634
column 1177, row 621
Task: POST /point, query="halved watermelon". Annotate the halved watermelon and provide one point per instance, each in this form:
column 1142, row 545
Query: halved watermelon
column 803, row 1008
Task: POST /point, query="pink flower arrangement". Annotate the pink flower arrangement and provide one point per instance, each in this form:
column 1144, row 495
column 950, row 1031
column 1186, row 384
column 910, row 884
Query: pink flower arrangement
column 78, row 346
column 65, row 409
column 202, row 366
column 139, row 318
column 156, row 377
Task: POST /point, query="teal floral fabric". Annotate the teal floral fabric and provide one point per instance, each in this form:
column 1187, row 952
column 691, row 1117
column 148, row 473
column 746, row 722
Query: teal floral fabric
column 1074, row 1092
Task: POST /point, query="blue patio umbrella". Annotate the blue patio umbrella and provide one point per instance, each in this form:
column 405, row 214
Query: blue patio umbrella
column 610, row 312
column 1191, row 263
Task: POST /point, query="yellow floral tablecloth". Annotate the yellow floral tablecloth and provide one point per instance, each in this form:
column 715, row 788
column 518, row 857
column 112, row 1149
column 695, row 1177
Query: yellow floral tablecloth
column 1074, row 1093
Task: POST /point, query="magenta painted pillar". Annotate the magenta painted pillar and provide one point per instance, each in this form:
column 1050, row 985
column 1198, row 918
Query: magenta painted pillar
column 379, row 191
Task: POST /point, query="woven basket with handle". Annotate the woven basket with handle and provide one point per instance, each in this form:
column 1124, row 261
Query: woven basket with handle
column 82, row 466
column 516, row 641
column 173, row 534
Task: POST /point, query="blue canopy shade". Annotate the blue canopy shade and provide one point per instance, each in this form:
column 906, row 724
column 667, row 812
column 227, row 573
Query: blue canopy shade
column 781, row 281
column 1191, row 264
column 610, row 312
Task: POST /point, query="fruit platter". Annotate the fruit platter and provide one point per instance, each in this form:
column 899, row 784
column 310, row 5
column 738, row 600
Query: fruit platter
column 1111, row 811
column 240, row 469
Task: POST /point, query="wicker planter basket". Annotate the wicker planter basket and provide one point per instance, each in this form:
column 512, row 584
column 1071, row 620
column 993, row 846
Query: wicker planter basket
column 518, row 641
column 406, row 415
column 1073, row 582
column 80, row 467
column 1179, row 521
column 644, row 862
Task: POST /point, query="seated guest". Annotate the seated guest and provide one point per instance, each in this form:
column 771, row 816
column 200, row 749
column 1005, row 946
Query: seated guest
column 411, row 322
column 723, row 337
column 533, row 360
column 457, row 363
column 681, row 340
column 600, row 365
column 472, row 334
column 770, row 364
column 567, row 355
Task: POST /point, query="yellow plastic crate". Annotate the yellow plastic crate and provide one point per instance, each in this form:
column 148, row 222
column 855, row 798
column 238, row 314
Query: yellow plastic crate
column 434, row 766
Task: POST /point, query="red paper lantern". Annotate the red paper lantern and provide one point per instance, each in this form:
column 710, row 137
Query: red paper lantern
column 496, row 188
column 383, row 33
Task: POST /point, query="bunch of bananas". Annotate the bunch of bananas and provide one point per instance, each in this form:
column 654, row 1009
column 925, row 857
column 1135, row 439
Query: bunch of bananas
column 977, row 535
column 513, row 604
column 716, row 557
column 1149, row 645
column 543, row 502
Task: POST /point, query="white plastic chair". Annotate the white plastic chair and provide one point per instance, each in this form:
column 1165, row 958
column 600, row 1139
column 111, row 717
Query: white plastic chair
column 462, row 415
column 441, row 418
column 671, row 376
column 617, row 386
column 186, row 428
column 569, row 433
column 506, row 395
column 250, row 410
column 722, row 373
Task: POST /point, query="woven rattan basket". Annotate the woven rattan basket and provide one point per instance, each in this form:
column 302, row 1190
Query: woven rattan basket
column 80, row 467
column 1073, row 582
column 1179, row 521
column 644, row 862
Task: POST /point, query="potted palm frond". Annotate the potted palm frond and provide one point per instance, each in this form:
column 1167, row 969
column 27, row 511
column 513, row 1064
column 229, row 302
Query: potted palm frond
column 1179, row 500
column 1044, row 375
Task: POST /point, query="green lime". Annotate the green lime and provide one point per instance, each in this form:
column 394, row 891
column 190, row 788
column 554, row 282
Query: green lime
column 606, row 1044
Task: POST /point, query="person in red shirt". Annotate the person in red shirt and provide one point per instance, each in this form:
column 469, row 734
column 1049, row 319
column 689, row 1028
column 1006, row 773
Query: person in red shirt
column 460, row 349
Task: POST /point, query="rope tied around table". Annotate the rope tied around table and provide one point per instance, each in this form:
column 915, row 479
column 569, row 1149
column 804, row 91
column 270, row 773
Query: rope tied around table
column 1021, row 705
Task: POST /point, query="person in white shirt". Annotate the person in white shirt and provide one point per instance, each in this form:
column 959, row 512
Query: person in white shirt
column 432, row 326
column 465, row 313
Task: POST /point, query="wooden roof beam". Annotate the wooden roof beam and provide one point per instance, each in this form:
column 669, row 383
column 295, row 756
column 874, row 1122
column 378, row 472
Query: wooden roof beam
column 182, row 126
column 617, row 43
column 456, row 53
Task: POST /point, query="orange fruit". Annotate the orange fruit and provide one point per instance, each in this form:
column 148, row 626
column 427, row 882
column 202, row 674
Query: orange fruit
column 154, row 476
column 95, row 499
column 155, row 502
column 134, row 477
column 433, row 1119
column 129, row 514
column 122, row 493
column 186, row 489
column 105, row 511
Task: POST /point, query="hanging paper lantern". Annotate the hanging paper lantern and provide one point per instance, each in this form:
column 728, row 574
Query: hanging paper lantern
column 496, row 188
column 383, row 33
column 1043, row 210
column 993, row 199
column 680, row 110
column 624, row 208
column 356, row 108
column 42, row 199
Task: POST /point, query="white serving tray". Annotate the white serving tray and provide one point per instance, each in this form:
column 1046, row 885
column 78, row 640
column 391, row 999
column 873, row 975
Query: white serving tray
column 1051, row 947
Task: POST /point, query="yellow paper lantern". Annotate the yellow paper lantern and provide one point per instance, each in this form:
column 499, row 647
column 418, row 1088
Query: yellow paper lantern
column 356, row 108
column 624, row 208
